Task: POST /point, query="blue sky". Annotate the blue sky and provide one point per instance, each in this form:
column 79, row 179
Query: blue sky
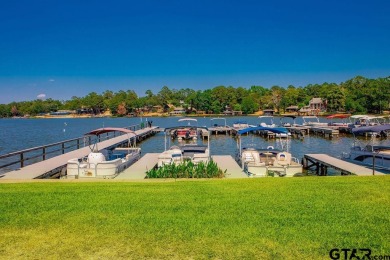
column 68, row 48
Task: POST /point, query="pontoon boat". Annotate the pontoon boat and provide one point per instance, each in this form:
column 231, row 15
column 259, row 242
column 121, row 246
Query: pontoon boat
column 104, row 163
column 269, row 161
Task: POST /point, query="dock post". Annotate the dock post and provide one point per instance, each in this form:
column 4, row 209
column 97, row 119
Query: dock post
column 317, row 168
column 21, row 160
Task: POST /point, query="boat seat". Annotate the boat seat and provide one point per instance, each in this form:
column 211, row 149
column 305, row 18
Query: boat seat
column 282, row 159
column 248, row 158
column 256, row 157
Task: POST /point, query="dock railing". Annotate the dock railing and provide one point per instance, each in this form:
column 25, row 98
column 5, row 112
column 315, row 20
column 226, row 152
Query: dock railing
column 28, row 156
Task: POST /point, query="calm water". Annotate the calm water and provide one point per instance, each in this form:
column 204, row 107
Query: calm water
column 18, row 134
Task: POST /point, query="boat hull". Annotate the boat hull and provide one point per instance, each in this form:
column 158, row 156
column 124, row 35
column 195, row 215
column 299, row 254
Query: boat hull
column 103, row 169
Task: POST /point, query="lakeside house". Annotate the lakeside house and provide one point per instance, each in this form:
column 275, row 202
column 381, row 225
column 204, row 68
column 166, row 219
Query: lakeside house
column 316, row 106
column 178, row 111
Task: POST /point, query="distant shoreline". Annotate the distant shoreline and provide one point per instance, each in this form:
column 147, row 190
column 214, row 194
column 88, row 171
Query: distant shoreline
column 166, row 115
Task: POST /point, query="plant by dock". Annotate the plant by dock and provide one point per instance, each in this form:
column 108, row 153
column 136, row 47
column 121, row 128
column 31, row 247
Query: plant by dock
column 187, row 169
column 264, row 218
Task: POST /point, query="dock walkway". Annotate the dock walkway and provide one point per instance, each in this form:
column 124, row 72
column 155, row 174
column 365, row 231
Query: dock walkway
column 137, row 171
column 323, row 161
column 39, row 169
column 298, row 130
column 325, row 131
column 226, row 162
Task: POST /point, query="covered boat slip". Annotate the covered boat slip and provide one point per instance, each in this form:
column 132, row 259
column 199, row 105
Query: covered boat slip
column 322, row 161
column 269, row 161
column 41, row 168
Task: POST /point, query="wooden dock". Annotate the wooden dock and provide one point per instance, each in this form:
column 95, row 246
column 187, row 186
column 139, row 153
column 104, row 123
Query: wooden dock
column 55, row 164
column 204, row 134
column 298, row 130
column 226, row 162
column 138, row 170
column 266, row 134
column 222, row 130
column 321, row 162
column 325, row 131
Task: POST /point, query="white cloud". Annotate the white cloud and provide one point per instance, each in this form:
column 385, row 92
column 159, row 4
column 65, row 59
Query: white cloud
column 41, row 96
column 51, row 80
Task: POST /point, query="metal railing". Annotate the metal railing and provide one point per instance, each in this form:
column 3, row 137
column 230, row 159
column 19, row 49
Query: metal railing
column 44, row 152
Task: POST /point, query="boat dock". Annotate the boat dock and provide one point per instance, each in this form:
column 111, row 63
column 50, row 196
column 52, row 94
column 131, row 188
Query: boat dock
column 266, row 134
column 322, row 162
column 298, row 130
column 54, row 165
column 138, row 170
column 324, row 131
column 226, row 162
column 222, row 130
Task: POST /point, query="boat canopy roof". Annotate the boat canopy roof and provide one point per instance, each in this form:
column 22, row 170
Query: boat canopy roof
column 371, row 129
column 187, row 119
column 277, row 130
column 359, row 116
column 342, row 116
column 109, row 129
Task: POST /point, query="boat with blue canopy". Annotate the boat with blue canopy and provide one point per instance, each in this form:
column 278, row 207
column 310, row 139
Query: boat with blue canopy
column 266, row 161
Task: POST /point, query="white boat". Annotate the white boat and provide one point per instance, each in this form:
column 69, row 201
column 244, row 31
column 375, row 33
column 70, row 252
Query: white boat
column 217, row 125
column 240, row 125
column 267, row 121
column 285, row 123
column 369, row 154
column 104, row 163
column 313, row 121
column 269, row 161
column 184, row 151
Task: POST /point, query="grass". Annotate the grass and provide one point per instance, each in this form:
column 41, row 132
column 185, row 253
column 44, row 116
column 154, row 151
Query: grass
column 265, row 218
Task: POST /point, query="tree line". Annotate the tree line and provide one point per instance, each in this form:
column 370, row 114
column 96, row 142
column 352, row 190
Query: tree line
column 357, row 95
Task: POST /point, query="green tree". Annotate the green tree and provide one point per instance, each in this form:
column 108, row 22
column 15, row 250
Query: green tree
column 94, row 101
column 249, row 105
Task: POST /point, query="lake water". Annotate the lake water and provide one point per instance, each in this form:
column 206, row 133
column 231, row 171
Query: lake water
column 18, row 134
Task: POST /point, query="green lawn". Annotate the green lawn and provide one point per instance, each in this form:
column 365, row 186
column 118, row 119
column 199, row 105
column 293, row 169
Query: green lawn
column 265, row 218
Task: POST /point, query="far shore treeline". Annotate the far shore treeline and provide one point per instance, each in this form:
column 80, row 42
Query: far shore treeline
column 357, row 95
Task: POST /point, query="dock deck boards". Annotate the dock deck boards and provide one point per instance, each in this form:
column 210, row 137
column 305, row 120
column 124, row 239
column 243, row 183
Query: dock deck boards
column 137, row 171
column 342, row 165
column 226, row 162
column 37, row 169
